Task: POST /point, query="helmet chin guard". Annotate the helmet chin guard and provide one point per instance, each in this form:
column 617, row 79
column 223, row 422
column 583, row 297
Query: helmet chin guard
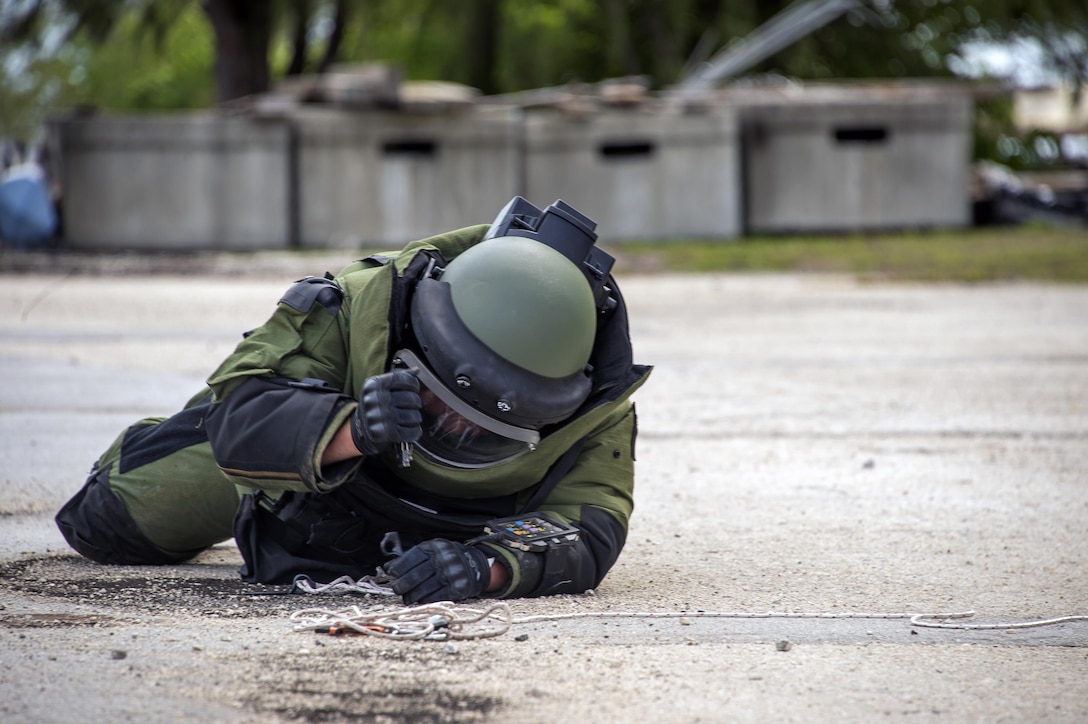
column 457, row 434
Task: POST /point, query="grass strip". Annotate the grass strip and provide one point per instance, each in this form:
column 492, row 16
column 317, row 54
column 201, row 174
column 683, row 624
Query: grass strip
column 1058, row 254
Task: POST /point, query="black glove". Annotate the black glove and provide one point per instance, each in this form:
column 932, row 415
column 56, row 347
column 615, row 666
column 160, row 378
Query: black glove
column 388, row 412
column 439, row 570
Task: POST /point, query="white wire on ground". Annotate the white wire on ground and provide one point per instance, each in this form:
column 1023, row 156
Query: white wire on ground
column 434, row 621
column 923, row 619
column 444, row 621
column 736, row 614
column 345, row 584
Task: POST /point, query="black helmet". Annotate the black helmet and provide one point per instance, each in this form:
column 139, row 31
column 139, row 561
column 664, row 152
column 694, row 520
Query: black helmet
column 505, row 332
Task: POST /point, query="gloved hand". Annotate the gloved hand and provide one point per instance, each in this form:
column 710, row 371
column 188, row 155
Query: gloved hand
column 439, row 570
column 388, row 412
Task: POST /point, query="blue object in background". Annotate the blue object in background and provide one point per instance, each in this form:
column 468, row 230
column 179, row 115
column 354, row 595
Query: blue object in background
column 27, row 215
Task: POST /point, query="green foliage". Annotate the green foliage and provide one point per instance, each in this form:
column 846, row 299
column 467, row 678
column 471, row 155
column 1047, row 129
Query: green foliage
column 136, row 56
column 993, row 121
column 25, row 101
column 1033, row 151
column 155, row 54
column 997, row 139
column 170, row 72
column 550, row 42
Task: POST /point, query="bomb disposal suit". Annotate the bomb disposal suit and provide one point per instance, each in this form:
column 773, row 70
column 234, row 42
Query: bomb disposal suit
column 494, row 371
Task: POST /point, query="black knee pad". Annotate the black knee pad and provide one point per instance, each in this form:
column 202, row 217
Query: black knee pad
column 98, row 526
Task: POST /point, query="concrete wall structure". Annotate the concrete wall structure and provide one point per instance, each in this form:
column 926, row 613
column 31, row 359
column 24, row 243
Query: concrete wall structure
column 640, row 174
column 748, row 161
column 314, row 178
column 387, row 178
column 203, row 181
column 850, row 159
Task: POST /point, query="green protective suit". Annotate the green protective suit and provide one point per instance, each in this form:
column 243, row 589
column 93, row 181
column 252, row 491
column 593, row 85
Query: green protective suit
column 278, row 400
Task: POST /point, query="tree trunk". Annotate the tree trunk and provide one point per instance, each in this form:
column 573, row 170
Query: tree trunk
column 243, row 29
column 332, row 50
column 482, row 49
column 299, row 39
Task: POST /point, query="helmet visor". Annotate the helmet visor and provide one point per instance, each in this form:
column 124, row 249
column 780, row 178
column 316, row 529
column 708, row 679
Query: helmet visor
column 458, row 434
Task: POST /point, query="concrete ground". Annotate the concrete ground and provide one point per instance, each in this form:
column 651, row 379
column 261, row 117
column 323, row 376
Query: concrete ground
column 809, row 444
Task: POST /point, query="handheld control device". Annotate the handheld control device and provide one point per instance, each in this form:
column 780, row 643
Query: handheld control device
column 533, row 532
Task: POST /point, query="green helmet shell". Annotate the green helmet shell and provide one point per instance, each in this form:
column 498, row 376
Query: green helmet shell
column 527, row 302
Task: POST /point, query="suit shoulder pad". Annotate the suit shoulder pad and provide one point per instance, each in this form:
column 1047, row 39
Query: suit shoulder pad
column 305, row 292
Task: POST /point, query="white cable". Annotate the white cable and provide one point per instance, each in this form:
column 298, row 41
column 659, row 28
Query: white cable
column 446, row 620
column 921, row 619
column 435, row 621
column 734, row 614
column 345, row 584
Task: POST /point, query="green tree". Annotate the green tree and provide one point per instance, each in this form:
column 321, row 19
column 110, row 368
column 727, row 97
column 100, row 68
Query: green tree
column 171, row 71
column 244, row 32
column 66, row 51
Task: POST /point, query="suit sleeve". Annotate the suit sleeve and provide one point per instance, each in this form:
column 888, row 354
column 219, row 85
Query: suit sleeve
column 270, row 433
column 597, row 497
column 278, row 397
